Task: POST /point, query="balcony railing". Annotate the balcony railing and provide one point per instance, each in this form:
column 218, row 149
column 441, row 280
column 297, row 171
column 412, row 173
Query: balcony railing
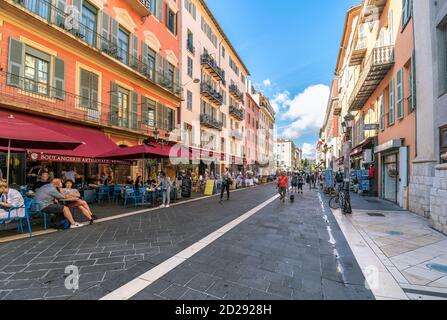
column 95, row 40
column 372, row 10
column 142, row 7
column 210, row 64
column 25, row 96
column 377, row 66
column 209, row 92
column 210, row 122
column 237, row 113
column 236, row 93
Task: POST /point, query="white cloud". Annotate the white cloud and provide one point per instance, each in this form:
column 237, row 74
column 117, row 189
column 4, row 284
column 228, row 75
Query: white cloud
column 306, row 110
column 309, row 151
column 267, row 83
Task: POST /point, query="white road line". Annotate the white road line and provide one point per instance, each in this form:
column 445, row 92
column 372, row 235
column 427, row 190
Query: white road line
column 143, row 281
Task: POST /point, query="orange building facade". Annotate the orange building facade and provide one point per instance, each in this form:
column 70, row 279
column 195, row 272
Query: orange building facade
column 105, row 64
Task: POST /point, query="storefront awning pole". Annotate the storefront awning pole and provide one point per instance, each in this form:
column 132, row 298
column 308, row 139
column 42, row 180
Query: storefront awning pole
column 8, row 161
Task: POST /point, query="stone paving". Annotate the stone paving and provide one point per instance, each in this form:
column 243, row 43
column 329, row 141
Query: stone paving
column 408, row 249
column 282, row 252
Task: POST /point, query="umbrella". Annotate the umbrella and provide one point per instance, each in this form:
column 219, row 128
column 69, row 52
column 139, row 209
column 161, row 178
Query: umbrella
column 21, row 134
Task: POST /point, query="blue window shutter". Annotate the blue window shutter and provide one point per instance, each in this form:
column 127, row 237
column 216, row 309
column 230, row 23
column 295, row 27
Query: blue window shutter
column 59, row 79
column 15, row 62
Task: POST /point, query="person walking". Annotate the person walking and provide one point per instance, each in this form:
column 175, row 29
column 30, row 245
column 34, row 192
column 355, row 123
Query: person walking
column 295, row 182
column 339, row 179
column 165, row 185
column 226, row 182
column 300, row 183
column 283, row 186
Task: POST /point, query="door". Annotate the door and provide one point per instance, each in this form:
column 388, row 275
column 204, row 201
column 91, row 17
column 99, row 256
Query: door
column 403, row 173
column 390, row 177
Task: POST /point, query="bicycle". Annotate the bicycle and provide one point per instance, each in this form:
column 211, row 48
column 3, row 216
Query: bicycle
column 341, row 200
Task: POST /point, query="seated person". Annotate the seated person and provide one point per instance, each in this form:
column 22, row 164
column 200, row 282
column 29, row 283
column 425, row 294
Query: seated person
column 10, row 198
column 48, row 195
column 44, row 180
column 82, row 205
column 129, row 181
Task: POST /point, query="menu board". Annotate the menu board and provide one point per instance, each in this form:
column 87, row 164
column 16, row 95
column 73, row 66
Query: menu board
column 186, row 187
column 209, row 187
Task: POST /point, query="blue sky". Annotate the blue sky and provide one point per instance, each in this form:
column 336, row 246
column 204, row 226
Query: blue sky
column 290, row 48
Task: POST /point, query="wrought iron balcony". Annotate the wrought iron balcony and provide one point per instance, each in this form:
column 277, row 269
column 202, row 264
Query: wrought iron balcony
column 236, row 93
column 209, row 92
column 210, row 122
column 57, row 17
column 376, row 68
column 210, row 64
column 142, row 7
column 25, row 95
column 237, row 113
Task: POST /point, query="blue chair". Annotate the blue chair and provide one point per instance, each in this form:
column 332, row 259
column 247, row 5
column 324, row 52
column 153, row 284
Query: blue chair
column 34, row 208
column 130, row 194
column 117, row 193
column 18, row 219
column 103, row 192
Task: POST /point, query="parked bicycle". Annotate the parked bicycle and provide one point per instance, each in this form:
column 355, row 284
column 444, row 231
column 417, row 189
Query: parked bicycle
column 341, row 199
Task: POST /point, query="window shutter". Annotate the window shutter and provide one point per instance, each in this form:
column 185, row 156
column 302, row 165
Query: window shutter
column 160, row 10
column 59, row 14
column 391, row 104
column 144, row 110
column 134, row 58
column 114, row 26
column 84, row 89
column 15, row 62
column 177, row 86
column 400, row 98
column 94, row 88
column 159, row 62
column 77, row 6
column 159, row 115
column 59, row 79
column 104, row 31
column 134, row 115
column 114, row 104
column 144, row 59
column 413, row 82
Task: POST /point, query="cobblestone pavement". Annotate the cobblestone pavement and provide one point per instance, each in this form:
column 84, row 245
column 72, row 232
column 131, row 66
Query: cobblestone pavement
column 282, row 252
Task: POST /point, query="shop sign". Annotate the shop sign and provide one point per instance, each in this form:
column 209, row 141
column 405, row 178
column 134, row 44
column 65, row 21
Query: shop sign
column 370, row 126
column 35, row 156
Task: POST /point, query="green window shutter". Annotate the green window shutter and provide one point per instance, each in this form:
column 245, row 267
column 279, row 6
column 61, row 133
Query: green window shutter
column 382, row 111
column 413, row 82
column 15, row 62
column 144, row 59
column 114, row 26
column 134, row 58
column 134, row 112
column 400, row 94
column 59, row 79
column 77, row 5
column 177, row 81
column 159, row 63
column 94, row 89
column 59, row 13
column 391, row 102
column 105, row 30
column 159, row 113
column 144, row 110
column 84, row 88
column 114, row 120
column 160, row 10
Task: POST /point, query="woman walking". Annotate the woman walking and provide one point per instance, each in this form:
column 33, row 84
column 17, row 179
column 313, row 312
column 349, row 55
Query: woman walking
column 165, row 185
column 226, row 182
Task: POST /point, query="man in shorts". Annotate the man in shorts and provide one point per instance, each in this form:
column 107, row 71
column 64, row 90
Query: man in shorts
column 283, row 185
column 48, row 195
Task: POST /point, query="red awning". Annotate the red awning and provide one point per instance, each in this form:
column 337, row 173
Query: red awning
column 95, row 142
column 202, row 154
column 23, row 132
column 153, row 151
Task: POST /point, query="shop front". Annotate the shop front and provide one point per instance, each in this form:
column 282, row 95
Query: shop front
column 362, row 159
column 393, row 170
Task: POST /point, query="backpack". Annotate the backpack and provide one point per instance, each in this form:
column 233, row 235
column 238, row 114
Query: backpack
column 64, row 224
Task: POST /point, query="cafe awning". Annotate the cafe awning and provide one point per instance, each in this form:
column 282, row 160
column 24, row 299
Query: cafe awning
column 94, row 141
column 153, row 151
